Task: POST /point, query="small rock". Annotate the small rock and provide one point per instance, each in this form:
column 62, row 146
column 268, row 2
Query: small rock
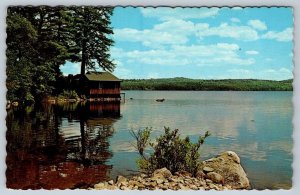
column 213, row 186
column 183, row 173
column 159, row 181
column 124, row 188
column 193, row 187
column 207, row 169
column 152, row 184
column 99, row 186
column 124, row 183
column 111, row 187
column 208, row 181
column 215, row 177
column 121, row 179
column 182, row 187
column 163, row 173
column 200, row 174
column 202, row 183
column 140, row 186
column 164, row 187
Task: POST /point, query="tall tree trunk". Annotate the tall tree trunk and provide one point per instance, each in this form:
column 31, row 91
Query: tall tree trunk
column 84, row 58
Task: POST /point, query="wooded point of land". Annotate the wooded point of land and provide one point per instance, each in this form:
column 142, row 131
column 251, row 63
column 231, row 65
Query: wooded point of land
column 207, row 85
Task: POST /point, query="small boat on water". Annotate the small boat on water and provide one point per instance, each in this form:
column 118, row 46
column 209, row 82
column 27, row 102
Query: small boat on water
column 160, row 100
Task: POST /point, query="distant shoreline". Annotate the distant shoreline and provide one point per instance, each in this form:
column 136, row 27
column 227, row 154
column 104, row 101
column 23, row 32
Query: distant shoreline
column 185, row 84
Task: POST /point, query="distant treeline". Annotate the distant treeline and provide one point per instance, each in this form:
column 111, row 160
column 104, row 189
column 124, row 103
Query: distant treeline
column 207, row 85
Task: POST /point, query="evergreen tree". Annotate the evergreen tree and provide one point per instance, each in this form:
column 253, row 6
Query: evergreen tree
column 92, row 36
column 20, row 37
column 41, row 39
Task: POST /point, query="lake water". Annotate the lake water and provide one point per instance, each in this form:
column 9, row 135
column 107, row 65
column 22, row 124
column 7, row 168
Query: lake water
column 78, row 145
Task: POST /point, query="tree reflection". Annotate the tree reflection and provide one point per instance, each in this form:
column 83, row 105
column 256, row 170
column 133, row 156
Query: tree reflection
column 40, row 154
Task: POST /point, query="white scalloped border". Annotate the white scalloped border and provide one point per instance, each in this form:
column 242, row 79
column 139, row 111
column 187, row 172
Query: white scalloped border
column 157, row 3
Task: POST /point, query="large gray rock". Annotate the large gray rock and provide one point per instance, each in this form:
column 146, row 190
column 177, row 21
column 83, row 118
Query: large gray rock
column 227, row 164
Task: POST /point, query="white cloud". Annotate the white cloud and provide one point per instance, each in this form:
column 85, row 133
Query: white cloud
column 285, row 35
column 285, row 70
column 178, row 31
column 251, row 52
column 166, row 33
column 268, row 74
column 165, row 13
column 240, row 71
column 236, row 20
column 184, row 55
column 276, row 74
column 257, row 24
column 176, row 26
column 244, row 33
column 149, row 37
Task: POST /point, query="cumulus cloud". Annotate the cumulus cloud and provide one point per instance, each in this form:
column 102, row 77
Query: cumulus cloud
column 240, row 71
column 193, row 55
column 165, row 13
column 244, row 33
column 251, row 52
column 236, row 20
column 257, row 24
column 268, row 74
column 285, row 35
column 178, row 31
column 148, row 37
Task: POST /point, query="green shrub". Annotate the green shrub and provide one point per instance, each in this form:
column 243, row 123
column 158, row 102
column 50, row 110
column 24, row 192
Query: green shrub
column 169, row 150
column 68, row 95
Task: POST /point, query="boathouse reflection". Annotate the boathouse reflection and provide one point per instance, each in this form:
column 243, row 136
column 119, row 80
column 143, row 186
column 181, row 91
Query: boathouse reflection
column 59, row 146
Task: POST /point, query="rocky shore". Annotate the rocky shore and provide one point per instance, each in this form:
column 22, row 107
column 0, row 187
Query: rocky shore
column 224, row 172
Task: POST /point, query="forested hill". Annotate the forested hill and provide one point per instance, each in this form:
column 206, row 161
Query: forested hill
column 180, row 83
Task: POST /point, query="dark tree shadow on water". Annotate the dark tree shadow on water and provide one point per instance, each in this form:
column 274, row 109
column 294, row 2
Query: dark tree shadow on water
column 42, row 153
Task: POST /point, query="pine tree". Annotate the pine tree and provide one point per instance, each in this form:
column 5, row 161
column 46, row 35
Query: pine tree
column 92, row 37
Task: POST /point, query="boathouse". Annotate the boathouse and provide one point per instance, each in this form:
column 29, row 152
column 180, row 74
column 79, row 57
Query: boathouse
column 101, row 86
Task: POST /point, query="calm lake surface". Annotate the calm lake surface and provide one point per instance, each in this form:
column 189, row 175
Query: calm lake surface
column 77, row 145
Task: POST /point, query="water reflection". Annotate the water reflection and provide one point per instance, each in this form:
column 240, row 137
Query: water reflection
column 74, row 145
column 46, row 148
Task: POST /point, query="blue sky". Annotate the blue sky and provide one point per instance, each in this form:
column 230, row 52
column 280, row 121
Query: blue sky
column 204, row 43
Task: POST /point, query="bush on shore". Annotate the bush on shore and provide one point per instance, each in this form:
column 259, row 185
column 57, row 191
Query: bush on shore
column 169, row 150
column 66, row 94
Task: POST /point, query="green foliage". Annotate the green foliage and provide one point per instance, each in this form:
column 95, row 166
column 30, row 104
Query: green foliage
column 68, row 95
column 142, row 137
column 92, row 37
column 170, row 151
column 40, row 39
column 207, row 85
